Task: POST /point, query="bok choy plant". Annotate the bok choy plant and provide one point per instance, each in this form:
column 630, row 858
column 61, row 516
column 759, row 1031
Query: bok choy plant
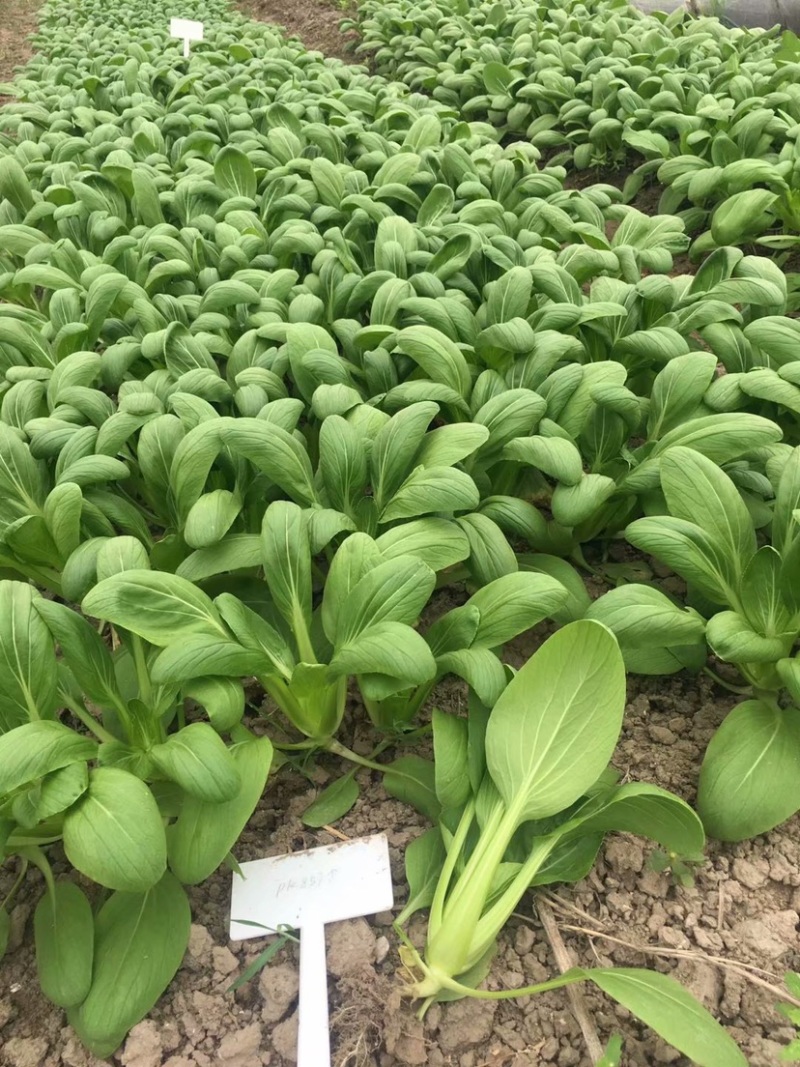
column 525, row 798
column 302, row 648
column 140, row 799
column 606, row 428
column 374, row 474
column 748, row 592
column 465, row 640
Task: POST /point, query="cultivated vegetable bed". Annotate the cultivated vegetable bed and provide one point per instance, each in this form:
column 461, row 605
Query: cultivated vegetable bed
column 342, row 437
column 712, row 110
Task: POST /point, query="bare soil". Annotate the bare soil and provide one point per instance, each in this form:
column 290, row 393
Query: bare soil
column 314, row 22
column 17, row 22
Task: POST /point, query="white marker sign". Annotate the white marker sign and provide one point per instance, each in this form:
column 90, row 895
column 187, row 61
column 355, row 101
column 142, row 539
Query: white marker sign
column 306, row 890
column 187, row 30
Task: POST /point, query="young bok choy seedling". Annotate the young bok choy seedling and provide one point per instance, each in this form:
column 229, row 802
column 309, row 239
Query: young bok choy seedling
column 301, row 647
column 750, row 594
column 140, row 800
column 525, row 798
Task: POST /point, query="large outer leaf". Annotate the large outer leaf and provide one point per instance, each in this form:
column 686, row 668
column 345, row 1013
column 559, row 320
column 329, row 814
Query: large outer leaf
column 83, row 648
column 27, row 658
column 234, row 173
column 639, row 808
column 721, row 437
column 672, row 1012
column 439, row 543
column 287, row 562
column 199, row 656
column 553, row 731
column 411, row 779
column 698, row 491
column 204, row 833
column 275, row 452
column 432, row 489
column 197, row 759
column 14, row 184
column 255, row 633
column 570, row 860
column 762, row 597
column 193, row 456
column 439, row 357
column 690, row 552
column 51, row 795
column 776, row 336
column 395, row 446
column 578, row 599
column 450, row 444
column 552, row 455
column 641, row 616
column 509, row 415
column 389, row 648
column 23, row 487
column 450, row 759
column 732, row 638
column 449, row 260
column 140, row 941
column 64, row 931
column 222, row 698
column 736, row 217
column 480, row 668
column 454, row 630
column 235, row 552
column 750, row 778
column 114, row 834
column 358, row 555
column 787, row 499
column 490, row 554
column 678, row 390
column 210, row 518
column 573, row 504
column 62, row 514
column 513, row 603
column 156, row 606
column 498, row 78
column 394, row 591
column 34, row 749
column 508, row 297
column 342, row 462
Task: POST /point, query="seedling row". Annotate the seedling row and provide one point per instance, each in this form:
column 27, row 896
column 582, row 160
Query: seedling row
column 289, row 347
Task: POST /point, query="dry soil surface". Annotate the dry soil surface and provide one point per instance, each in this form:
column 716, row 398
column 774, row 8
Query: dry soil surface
column 315, row 22
column 17, row 22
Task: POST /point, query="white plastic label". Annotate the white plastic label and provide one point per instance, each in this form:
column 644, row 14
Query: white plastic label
column 306, row 890
column 320, row 885
column 186, row 30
